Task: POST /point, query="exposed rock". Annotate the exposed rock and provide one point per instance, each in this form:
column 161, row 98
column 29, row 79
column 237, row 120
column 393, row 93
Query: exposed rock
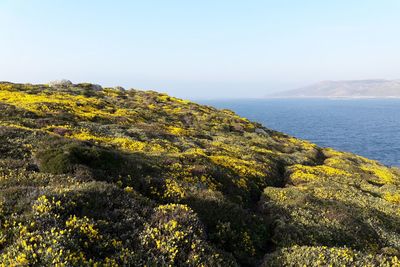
column 60, row 83
column 119, row 88
column 97, row 87
column 261, row 131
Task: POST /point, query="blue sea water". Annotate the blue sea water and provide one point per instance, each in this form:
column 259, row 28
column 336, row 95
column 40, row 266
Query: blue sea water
column 368, row 127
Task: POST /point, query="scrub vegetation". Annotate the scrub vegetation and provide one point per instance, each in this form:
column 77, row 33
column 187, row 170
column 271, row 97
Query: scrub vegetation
column 93, row 176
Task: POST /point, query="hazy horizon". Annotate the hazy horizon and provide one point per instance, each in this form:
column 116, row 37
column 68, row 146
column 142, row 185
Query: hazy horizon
column 203, row 50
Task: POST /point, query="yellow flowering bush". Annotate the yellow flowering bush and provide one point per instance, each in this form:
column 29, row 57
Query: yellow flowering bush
column 301, row 173
column 82, row 107
column 43, row 205
column 93, row 176
column 84, row 226
column 383, row 174
column 176, row 235
column 393, row 198
column 327, row 256
column 242, row 167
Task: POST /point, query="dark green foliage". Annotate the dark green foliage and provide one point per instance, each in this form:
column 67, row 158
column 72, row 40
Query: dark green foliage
column 229, row 226
column 89, row 162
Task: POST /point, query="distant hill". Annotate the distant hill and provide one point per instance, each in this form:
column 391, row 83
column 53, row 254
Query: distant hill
column 352, row 89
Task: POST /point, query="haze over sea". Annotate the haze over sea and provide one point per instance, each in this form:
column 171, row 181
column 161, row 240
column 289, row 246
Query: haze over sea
column 368, row 127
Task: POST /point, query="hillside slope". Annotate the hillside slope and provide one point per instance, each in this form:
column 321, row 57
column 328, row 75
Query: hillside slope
column 92, row 175
column 350, row 89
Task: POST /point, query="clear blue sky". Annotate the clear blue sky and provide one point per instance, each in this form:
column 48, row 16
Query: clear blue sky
column 200, row 49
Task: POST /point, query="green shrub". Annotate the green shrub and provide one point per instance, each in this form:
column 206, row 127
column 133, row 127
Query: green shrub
column 64, row 158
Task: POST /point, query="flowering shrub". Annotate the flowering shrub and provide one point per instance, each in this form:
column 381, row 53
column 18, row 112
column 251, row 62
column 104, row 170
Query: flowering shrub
column 93, row 176
column 175, row 236
column 300, row 173
column 324, row 256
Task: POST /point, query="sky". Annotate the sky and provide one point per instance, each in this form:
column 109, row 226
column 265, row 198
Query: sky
column 200, row 49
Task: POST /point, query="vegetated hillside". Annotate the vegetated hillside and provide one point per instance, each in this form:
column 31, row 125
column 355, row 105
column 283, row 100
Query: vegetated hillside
column 350, row 89
column 92, row 175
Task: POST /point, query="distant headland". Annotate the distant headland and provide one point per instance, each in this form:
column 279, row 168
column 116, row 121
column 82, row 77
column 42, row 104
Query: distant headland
column 378, row 88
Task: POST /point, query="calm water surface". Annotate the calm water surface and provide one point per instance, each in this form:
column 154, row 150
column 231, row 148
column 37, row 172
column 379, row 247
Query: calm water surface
column 370, row 128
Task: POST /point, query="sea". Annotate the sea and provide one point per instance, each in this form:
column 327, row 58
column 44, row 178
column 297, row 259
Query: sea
column 368, row 127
